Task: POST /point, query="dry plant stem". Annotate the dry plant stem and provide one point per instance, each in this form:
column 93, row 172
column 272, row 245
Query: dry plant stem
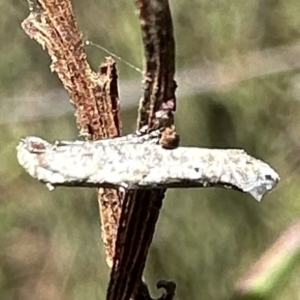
column 53, row 25
column 158, row 84
column 141, row 208
column 93, row 95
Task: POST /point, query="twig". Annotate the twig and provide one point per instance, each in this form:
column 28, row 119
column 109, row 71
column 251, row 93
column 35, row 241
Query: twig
column 95, row 99
column 140, row 208
column 159, row 84
column 93, row 95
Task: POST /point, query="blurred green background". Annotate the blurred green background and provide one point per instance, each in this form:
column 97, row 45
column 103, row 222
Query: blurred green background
column 239, row 86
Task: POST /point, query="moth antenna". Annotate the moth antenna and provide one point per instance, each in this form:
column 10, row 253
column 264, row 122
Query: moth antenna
column 90, row 43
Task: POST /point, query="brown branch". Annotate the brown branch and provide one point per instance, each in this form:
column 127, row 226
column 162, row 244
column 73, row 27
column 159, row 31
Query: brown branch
column 141, row 208
column 95, row 98
column 93, row 95
column 159, row 84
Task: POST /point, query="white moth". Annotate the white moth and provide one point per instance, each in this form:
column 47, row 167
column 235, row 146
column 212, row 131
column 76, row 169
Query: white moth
column 131, row 163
